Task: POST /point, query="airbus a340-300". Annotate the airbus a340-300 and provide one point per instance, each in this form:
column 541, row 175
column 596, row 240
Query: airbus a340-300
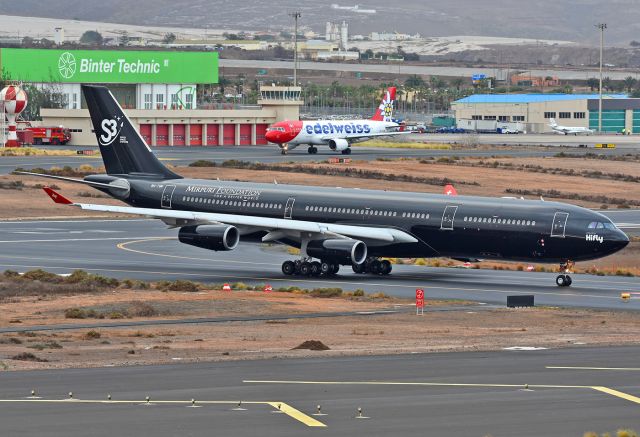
column 334, row 226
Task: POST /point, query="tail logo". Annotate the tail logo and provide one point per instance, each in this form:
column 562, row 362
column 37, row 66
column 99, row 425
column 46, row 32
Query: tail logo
column 386, row 107
column 110, row 130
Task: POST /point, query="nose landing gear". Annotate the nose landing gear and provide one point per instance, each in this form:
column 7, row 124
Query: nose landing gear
column 563, row 279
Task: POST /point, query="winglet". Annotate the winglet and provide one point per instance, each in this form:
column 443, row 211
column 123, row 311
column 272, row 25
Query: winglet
column 450, row 190
column 57, row 197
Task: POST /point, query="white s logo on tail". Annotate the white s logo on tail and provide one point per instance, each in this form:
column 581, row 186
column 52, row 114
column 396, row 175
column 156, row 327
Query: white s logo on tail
column 110, row 131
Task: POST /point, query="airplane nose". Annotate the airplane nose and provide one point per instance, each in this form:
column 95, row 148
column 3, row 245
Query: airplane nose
column 271, row 136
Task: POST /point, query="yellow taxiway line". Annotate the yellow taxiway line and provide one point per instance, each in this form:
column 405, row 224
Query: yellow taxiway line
column 602, row 389
column 618, row 394
column 281, row 406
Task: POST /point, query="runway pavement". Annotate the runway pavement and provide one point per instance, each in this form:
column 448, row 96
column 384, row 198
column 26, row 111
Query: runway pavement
column 560, row 392
column 270, row 154
column 145, row 249
column 397, row 69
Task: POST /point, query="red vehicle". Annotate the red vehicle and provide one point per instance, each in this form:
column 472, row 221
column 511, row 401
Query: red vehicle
column 49, row 135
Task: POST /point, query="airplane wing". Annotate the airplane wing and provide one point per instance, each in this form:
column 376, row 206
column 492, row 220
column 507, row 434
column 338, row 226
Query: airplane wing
column 275, row 226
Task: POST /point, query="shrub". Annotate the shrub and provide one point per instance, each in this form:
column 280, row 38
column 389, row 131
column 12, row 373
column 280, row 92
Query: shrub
column 75, row 313
column 92, row 335
column 28, row 356
column 47, row 345
column 326, row 292
column 134, row 284
column 239, row 286
column 141, row 309
column 358, row 292
column 178, row 285
column 202, row 163
column 42, row 276
column 379, row 295
column 11, row 274
column 115, row 315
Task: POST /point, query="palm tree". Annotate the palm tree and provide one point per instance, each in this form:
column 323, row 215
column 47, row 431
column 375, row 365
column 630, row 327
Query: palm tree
column 457, row 82
column 414, row 81
column 629, row 83
column 593, row 83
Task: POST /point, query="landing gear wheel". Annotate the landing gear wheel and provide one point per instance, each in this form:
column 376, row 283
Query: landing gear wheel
column 346, row 151
column 335, row 268
column 283, row 151
column 358, row 268
column 315, row 268
column 567, row 280
column 375, row 267
column 312, row 150
column 326, row 268
column 288, row 268
column 385, row 267
column 563, row 280
column 305, row 269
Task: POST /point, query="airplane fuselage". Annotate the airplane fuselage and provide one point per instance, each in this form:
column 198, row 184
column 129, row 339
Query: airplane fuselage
column 455, row 227
column 320, row 132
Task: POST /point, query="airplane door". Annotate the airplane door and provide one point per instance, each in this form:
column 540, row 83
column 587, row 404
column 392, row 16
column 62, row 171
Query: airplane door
column 167, row 194
column 559, row 224
column 447, row 217
column 288, row 209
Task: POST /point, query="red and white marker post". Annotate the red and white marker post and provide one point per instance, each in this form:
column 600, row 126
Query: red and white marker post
column 226, row 287
column 268, row 288
column 420, row 301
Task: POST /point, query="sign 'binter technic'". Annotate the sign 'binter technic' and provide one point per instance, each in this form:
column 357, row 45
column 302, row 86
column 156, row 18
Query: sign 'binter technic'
column 108, row 66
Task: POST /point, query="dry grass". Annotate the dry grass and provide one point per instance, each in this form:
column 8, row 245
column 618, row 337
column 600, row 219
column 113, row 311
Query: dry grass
column 33, row 151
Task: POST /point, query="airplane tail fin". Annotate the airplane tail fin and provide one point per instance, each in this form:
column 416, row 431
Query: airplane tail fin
column 385, row 110
column 552, row 122
column 450, row 190
column 124, row 151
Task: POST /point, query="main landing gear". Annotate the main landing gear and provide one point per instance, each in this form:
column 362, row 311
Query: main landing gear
column 306, row 267
column 346, row 151
column 563, row 279
column 312, row 150
column 373, row 266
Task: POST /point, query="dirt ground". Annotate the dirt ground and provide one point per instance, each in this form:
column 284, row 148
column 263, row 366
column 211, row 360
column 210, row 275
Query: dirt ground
column 467, row 327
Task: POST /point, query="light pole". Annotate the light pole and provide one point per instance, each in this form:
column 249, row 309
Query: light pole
column 295, row 15
column 602, row 27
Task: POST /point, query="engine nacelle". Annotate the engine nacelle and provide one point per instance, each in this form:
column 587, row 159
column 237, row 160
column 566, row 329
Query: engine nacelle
column 212, row 237
column 341, row 250
column 339, row 144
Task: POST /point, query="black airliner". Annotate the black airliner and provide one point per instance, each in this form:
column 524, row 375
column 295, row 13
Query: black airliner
column 335, row 226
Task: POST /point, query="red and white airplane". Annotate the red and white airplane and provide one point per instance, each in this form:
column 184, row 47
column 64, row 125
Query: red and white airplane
column 337, row 134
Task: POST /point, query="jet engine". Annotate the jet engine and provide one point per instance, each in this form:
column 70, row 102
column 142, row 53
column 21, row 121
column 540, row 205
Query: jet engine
column 339, row 144
column 346, row 251
column 212, row 237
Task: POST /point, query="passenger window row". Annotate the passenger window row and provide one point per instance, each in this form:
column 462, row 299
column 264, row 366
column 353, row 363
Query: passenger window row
column 500, row 221
column 209, row 201
column 356, row 211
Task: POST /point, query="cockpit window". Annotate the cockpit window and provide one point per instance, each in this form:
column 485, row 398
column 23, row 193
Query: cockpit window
column 279, row 129
column 600, row 225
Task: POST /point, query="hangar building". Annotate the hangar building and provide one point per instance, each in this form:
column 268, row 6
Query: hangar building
column 534, row 110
